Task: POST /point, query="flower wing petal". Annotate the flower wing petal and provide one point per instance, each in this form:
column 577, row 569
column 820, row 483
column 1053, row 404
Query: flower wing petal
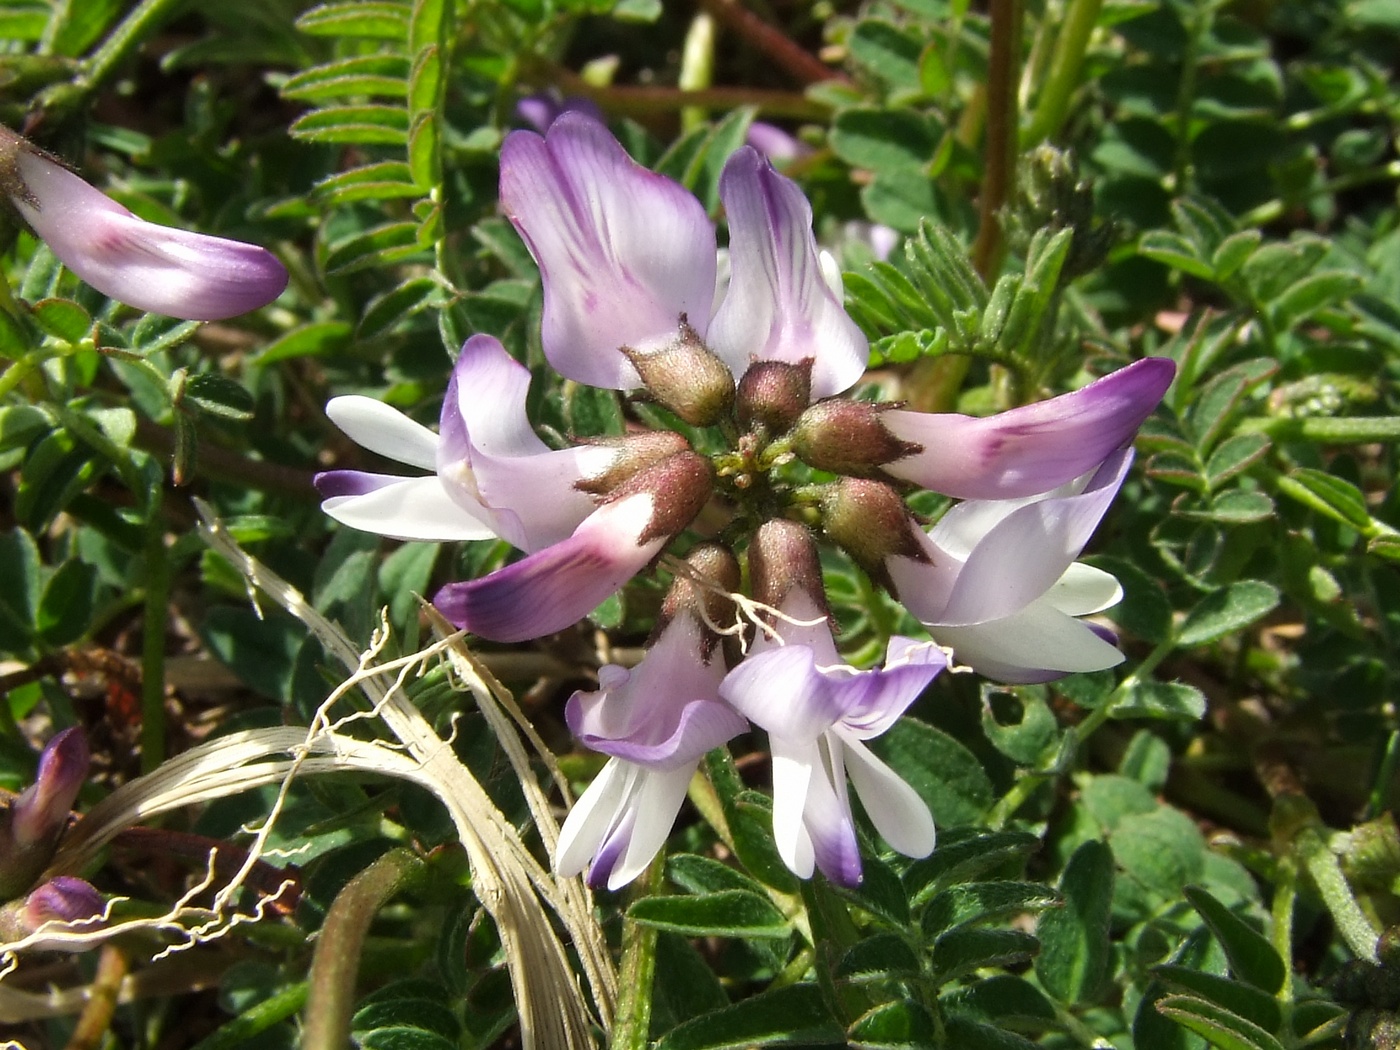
column 1037, row 644
column 1033, row 448
column 899, row 814
column 593, row 815
column 384, row 430
column 659, row 795
column 411, row 509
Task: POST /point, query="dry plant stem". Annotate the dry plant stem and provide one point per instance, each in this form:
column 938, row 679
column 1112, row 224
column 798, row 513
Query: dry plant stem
column 651, row 101
column 785, row 52
column 336, row 961
column 96, row 1018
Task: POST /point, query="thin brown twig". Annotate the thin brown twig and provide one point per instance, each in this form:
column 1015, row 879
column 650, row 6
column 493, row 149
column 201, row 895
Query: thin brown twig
column 786, row 53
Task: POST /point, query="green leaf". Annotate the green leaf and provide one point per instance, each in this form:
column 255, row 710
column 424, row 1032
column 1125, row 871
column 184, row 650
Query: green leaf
column 1019, row 723
column 1004, row 1000
column 977, row 902
column 388, row 309
column 947, row 776
column 404, row 1038
column 967, row 948
column 393, row 242
column 1227, row 610
column 386, row 180
column 385, row 76
column 888, row 52
column 700, row 875
column 312, row 340
column 1328, row 494
column 1234, row 250
column 1222, row 397
column 1221, row 1027
column 1145, row 610
column 969, row 1035
column 1075, row 946
column 1311, row 294
column 1243, row 999
column 967, row 853
column 218, row 396
column 1170, row 700
column 155, row 332
column 63, row 318
column 788, row 1016
column 883, row 956
column 21, row 424
column 885, row 140
column 1234, row 507
column 377, row 19
column 432, row 1015
column 1174, row 250
column 1252, row 957
column 727, row 913
column 901, row 1023
column 65, row 611
column 1161, row 851
column 1234, row 455
column 19, row 598
column 353, row 125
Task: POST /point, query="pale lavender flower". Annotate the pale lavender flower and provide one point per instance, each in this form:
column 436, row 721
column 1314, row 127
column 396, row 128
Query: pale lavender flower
column 655, row 721
column 774, row 143
column 819, row 712
column 997, row 581
column 542, row 110
column 30, row 828
column 149, row 266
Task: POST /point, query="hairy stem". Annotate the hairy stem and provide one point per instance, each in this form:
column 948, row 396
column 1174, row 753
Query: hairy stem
column 1052, row 105
column 331, row 1000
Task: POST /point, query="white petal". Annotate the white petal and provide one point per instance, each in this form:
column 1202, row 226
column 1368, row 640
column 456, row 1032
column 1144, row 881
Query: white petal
column 596, row 810
column 412, row 509
column 899, row 814
column 792, row 775
column 1021, row 648
column 384, row 430
column 1084, row 590
column 659, row 795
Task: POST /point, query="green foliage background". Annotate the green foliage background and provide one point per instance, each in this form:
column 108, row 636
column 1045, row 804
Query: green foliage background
column 1186, row 851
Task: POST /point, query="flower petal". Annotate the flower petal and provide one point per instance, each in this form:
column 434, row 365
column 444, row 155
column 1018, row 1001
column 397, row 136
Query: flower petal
column 384, row 430
column 781, row 690
column 1084, row 590
column 657, row 800
column 794, row 763
column 149, row 266
column 623, row 252
column 409, row 509
column 779, row 306
column 1030, row 449
column 1037, row 644
column 1029, row 550
column 873, row 700
column 593, row 815
column 899, row 814
column 827, row 818
column 560, row 585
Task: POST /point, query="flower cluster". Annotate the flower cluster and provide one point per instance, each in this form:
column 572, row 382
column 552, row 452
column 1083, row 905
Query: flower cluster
column 152, row 267
column 757, row 365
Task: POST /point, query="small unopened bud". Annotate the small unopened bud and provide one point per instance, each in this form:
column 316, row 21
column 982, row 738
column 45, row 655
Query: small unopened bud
column 774, row 393
column 30, row 829
column 783, row 555
column 705, row 594
column 1371, row 857
column 634, row 452
column 680, row 486
column 686, row 377
column 847, row 437
column 870, row 522
column 61, row 899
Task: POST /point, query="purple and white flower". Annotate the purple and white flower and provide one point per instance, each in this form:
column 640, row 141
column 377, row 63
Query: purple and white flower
column 31, row 827
column 655, row 721
column 999, row 584
column 149, row 266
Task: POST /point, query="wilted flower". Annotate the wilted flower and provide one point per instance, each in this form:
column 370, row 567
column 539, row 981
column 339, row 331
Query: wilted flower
column 30, row 828
column 62, row 900
column 149, row 266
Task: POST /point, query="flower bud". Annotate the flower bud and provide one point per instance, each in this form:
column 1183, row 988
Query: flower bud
column 686, row 377
column 635, row 452
column 706, row 596
column 152, row 267
column 774, row 393
column 783, row 555
column 870, row 522
column 847, row 437
column 680, row 486
column 30, row 829
column 61, row 899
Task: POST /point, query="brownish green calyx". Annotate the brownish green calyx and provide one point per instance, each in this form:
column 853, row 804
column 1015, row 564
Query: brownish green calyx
column 773, row 394
column 847, row 437
column 686, row 377
column 870, row 522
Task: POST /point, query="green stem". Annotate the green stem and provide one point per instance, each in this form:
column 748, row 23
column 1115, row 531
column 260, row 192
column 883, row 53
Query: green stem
column 1285, row 896
column 331, row 1000
column 1385, row 776
column 1053, row 104
column 1201, row 18
column 1269, row 211
column 124, row 40
column 19, row 370
column 632, row 1028
column 1321, row 863
column 153, row 646
column 256, row 1019
column 697, row 67
column 1358, row 430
